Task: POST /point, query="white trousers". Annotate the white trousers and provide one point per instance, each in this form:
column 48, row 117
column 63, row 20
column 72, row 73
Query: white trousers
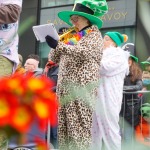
column 105, row 129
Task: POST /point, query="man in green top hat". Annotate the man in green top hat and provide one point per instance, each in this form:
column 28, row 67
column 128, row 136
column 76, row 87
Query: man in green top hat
column 88, row 9
column 79, row 60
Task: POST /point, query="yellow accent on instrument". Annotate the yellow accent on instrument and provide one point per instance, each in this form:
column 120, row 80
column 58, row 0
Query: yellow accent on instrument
column 67, row 34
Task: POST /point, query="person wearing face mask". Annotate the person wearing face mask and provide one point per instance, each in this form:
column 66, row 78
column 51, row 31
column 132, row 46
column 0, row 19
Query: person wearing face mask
column 114, row 67
column 10, row 11
column 146, row 74
column 79, row 61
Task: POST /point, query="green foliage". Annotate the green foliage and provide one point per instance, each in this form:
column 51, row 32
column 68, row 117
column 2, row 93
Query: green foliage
column 26, row 24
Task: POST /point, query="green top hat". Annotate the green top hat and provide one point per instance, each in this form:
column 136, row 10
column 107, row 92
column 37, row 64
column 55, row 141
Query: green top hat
column 146, row 62
column 90, row 9
column 134, row 58
column 117, row 37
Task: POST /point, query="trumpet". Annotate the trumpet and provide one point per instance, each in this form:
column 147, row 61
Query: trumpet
column 67, row 34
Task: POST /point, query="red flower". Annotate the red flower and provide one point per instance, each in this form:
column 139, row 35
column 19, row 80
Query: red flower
column 22, row 118
column 46, row 109
column 37, row 85
column 7, row 104
column 12, row 85
column 23, row 99
column 41, row 145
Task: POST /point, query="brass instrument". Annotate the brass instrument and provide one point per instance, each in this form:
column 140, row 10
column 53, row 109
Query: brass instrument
column 67, row 34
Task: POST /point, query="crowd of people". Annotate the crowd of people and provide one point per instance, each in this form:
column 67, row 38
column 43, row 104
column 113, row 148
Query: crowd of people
column 93, row 76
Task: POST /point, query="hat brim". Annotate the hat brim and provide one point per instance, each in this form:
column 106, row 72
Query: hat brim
column 135, row 58
column 145, row 62
column 65, row 16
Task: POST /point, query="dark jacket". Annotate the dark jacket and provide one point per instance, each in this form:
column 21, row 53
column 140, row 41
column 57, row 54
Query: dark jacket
column 53, row 75
column 38, row 72
column 131, row 102
column 51, row 71
column 130, row 86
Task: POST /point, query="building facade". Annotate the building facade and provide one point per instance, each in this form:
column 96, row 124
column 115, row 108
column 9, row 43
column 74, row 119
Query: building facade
column 122, row 17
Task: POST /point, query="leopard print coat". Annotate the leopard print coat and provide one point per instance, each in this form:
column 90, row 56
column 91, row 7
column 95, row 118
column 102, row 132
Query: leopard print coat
column 78, row 68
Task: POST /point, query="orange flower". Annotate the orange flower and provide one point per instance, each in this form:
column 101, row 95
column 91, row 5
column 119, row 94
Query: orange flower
column 23, row 99
column 22, row 118
column 4, row 111
column 41, row 145
column 46, row 109
column 12, row 84
column 37, row 85
column 7, row 104
column 42, row 109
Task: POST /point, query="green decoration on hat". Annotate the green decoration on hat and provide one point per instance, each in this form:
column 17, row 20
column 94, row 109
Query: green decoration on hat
column 145, row 110
column 117, row 37
column 90, row 9
column 134, row 58
column 146, row 62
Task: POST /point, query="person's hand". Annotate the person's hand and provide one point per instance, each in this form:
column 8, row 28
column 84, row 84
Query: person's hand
column 51, row 42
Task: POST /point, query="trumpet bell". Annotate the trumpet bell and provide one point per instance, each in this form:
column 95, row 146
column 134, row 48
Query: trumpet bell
column 68, row 34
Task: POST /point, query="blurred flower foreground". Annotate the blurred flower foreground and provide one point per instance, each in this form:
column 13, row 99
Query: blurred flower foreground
column 23, row 99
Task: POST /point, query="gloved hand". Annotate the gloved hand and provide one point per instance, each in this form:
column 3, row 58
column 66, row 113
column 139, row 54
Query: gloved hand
column 51, row 42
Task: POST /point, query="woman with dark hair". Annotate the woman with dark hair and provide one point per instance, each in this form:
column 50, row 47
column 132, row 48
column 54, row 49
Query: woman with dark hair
column 131, row 102
column 135, row 70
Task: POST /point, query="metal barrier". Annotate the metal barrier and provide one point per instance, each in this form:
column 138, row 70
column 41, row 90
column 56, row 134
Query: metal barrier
column 123, row 123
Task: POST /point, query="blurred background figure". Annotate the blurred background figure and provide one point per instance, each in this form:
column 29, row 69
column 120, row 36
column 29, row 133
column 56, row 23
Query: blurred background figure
column 146, row 74
column 131, row 102
column 142, row 131
column 32, row 65
column 51, row 71
column 9, row 16
column 146, row 79
column 20, row 69
column 114, row 67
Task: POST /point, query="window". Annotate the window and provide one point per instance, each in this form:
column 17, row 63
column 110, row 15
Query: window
column 50, row 3
column 121, row 17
